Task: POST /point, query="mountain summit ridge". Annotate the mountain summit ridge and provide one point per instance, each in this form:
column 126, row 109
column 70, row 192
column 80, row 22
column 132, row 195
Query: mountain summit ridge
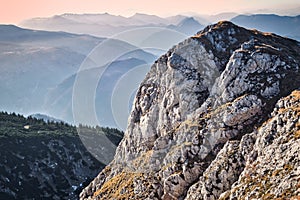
column 204, row 114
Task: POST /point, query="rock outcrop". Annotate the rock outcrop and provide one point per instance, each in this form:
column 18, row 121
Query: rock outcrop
column 208, row 122
column 272, row 168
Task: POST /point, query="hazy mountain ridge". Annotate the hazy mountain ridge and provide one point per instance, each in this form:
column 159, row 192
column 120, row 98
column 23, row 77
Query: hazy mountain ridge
column 187, row 25
column 52, row 57
column 105, row 25
column 59, row 99
column 34, row 63
column 288, row 26
column 208, row 119
column 111, row 24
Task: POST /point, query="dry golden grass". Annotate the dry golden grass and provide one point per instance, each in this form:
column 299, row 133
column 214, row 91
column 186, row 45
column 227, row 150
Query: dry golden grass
column 296, row 94
column 297, row 135
column 119, row 187
column 142, row 159
column 295, row 198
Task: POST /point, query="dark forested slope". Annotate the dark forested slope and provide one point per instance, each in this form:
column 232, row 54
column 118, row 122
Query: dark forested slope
column 42, row 160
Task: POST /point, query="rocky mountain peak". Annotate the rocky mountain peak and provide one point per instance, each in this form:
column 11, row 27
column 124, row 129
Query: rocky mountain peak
column 225, row 37
column 198, row 116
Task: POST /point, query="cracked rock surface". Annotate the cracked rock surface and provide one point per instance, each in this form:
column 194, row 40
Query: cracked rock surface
column 209, row 122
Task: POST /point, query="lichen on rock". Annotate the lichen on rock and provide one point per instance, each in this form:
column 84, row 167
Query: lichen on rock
column 197, row 124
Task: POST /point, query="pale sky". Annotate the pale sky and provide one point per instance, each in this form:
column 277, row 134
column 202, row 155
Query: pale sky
column 14, row 11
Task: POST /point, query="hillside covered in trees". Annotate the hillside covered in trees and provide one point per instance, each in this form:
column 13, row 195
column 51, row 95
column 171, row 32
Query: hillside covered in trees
column 47, row 160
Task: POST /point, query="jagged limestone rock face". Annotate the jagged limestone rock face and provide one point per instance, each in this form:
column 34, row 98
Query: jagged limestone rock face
column 272, row 168
column 188, row 136
column 223, row 171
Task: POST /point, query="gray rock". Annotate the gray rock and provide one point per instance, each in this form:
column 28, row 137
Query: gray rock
column 197, row 115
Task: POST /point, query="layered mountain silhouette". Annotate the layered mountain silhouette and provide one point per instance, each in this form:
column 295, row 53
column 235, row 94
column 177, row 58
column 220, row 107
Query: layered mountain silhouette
column 36, row 64
column 288, row 26
column 106, row 25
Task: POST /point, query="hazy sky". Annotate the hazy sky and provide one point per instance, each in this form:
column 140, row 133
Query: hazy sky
column 14, row 11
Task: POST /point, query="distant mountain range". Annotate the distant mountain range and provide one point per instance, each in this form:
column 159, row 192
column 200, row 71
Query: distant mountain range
column 32, row 62
column 35, row 63
column 59, row 99
column 288, row 26
column 187, row 26
column 38, row 68
column 106, row 25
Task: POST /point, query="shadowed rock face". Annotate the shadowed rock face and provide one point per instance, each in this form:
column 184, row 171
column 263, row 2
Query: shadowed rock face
column 197, row 123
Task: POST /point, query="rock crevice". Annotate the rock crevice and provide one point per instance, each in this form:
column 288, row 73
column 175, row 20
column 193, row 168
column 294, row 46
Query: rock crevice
column 197, row 123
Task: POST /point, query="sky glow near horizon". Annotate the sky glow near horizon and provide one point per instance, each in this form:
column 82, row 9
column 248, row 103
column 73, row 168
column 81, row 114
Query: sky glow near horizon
column 14, row 11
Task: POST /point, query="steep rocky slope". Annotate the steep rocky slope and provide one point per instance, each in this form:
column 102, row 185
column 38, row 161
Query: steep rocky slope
column 201, row 125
